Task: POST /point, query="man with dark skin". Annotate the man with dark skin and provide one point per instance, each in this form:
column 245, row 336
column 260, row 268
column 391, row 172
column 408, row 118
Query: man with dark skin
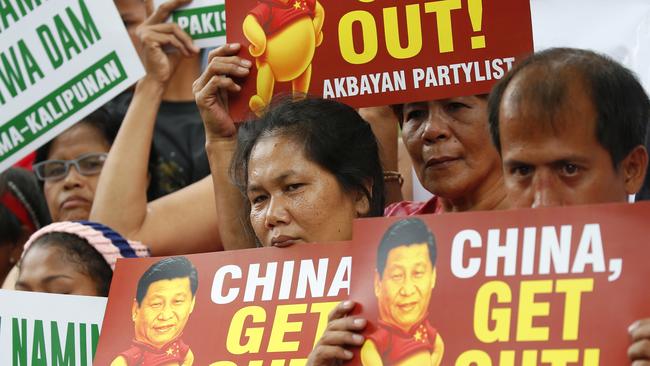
column 570, row 126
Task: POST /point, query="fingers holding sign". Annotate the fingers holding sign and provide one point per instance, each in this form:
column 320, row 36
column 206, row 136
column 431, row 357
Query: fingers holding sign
column 639, row 351
column 163, row 43
column 212, row 87
column 342, row 333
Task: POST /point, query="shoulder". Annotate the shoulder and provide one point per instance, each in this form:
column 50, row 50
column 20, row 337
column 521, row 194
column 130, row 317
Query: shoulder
column 411, row 208
column 381, row 339
column 129, row 357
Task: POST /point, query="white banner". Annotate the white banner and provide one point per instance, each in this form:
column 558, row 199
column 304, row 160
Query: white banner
column 203, row 20
column 59, row 61
column 49, row 329
column 620, row 29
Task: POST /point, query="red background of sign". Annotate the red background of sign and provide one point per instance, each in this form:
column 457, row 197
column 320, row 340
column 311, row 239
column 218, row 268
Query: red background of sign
column 506, row 25
column 605, row 313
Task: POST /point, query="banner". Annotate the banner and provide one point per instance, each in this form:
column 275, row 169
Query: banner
column 559, row 23
column 368, row 53
column 59, row 61
column 548, row 286
column 203, row 20
column 49, row 329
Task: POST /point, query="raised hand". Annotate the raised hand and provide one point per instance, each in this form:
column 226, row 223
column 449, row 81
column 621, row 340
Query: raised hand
column 212, row 87
column 163, row 43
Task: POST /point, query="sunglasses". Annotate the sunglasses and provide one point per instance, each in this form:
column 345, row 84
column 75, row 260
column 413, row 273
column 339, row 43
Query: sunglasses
column 52, row 170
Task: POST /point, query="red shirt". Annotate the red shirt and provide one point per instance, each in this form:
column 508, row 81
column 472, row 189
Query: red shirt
column 145, row 355
column 411, row 208
column 394, row 345
column 273, row 15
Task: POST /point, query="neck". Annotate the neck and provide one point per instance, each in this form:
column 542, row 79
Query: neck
column 179, row 87
column 491, row 195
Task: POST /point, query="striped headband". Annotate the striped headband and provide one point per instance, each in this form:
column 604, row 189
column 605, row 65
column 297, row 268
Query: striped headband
column 107, row 242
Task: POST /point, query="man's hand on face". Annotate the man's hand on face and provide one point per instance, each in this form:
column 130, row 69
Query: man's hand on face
column 639, row 351
column 163, row 43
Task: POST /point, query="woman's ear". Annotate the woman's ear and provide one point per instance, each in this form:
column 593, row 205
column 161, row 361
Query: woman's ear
column 362, row 200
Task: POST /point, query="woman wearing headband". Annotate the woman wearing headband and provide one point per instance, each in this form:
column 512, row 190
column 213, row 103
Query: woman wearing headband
column 74, row 258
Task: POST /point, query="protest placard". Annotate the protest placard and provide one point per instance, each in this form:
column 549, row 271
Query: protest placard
column 368, row 53
column 203, row 20
column 59, row 61
column 49, row 329
column 521, row 287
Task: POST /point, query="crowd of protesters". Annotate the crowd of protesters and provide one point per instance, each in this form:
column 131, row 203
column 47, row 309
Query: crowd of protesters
column 179, row 176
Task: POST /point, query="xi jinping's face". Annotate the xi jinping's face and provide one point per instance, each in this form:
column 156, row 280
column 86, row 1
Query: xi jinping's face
column 161, row 316
column 404, row 289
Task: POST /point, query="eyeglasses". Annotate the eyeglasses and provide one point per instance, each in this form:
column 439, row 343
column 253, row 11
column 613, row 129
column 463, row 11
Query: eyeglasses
column 52, row 170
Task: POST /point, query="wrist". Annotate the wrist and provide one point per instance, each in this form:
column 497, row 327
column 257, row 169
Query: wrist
column 151, row 86
column 393, row 176
column 219, row 143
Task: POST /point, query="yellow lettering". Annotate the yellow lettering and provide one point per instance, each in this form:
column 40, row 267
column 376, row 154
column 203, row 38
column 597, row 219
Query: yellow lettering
column 500, row 316
column 282, row 325
column 323, row 309
column 507, row 358
column 573, row 290
column 253, row 335
column 414, row 32
column 443, row 10
column 346, row 40
column 529, row 358
column 592, row 357
column 529, row 309
column 560, row 357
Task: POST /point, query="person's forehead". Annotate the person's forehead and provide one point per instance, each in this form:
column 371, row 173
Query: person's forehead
column 276, row 157
column 543, row 89
column 47, row 260
column 565, row 106
column 174, row 285
column 414, row 252
column 80, row 139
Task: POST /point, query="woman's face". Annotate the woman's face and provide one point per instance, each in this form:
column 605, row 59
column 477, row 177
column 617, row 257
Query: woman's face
column 449, row 143
column 45, row 269
column 294, row 200
column 71, row 197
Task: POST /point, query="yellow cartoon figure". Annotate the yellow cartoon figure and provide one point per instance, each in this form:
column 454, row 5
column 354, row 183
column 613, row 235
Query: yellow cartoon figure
column 284, row 35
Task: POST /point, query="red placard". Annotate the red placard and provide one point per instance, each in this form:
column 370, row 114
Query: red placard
column 522, row 287
column 376, row 52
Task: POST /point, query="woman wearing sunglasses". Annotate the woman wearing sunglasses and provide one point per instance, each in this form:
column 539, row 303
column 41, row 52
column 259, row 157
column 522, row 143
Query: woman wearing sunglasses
column 69, row 166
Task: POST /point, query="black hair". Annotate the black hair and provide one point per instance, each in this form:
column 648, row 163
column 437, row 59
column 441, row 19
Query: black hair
column 333, row 135
column 81, row 254
column 621, row 104
column 167, row 269
column 22, row 185
column 101, row 120
column 107, row 120
column 404, row 233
